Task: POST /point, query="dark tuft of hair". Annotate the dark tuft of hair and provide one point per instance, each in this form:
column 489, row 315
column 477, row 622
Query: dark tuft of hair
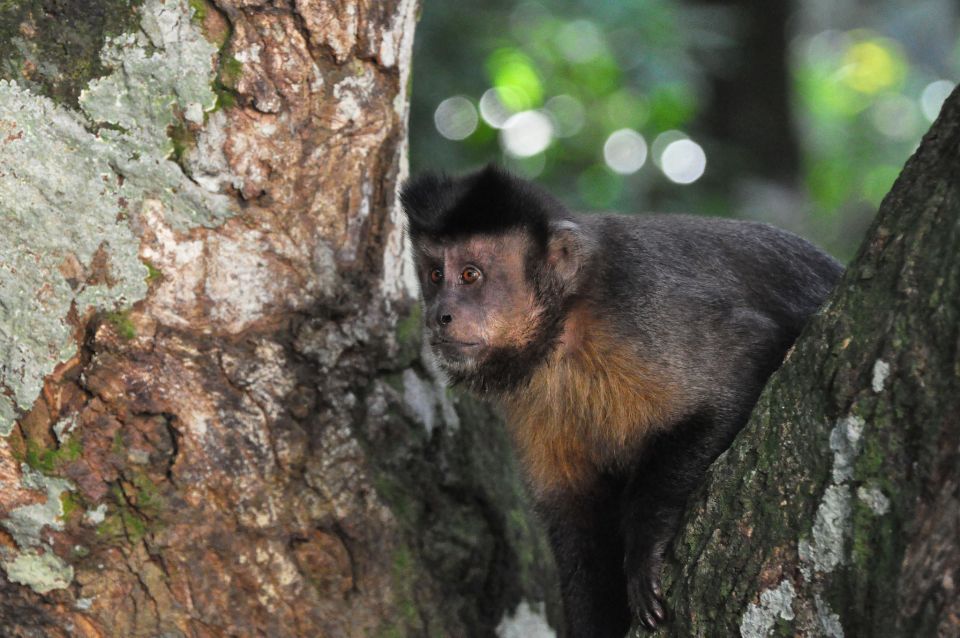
column 489, row 201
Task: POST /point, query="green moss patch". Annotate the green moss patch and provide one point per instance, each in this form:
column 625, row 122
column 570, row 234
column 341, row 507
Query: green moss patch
column 46, row 460
column 121, row 321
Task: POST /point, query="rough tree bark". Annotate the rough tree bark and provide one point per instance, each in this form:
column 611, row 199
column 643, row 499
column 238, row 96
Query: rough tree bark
column 837, row 510
column 214, row 419
column 213, row 415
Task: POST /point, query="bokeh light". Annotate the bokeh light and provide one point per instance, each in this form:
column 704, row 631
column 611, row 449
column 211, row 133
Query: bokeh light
column 873, row 64
column 515, row 77
column 526, row 133
column 683, row 161
column 579, row 41
column 896, row 116
column 662, row 141
column 583, row 96
column 525, row 18
column 456, row 118
column 492, row 109
column 625, row 151
column 567, row 114
column 933, row 97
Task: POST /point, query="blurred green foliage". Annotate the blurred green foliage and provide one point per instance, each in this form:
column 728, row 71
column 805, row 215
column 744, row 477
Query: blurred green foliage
column 864, row 94
column 863, row 106
column 593, row 70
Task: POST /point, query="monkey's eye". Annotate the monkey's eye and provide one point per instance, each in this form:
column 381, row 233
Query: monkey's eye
column 436, row 275
column 469, row 275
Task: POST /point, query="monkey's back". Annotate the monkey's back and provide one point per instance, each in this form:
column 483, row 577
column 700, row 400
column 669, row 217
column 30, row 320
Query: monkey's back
column 714, row 302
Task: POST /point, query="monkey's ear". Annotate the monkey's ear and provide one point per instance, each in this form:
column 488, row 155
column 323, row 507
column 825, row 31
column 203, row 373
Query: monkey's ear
column 568, row 249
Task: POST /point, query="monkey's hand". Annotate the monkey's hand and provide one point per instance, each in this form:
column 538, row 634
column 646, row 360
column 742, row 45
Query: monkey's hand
column 644, row 592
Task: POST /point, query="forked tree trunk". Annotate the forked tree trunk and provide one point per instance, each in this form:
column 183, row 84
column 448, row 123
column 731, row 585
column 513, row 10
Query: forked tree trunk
column 214, row 417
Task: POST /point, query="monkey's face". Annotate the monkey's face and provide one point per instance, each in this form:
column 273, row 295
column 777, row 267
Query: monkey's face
column 479, row 303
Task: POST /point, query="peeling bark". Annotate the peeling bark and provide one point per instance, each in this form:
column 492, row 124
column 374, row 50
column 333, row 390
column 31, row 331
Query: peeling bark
column 249, row 442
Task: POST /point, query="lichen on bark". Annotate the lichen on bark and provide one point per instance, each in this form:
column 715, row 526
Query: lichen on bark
column 70, row 184
column 245, row 432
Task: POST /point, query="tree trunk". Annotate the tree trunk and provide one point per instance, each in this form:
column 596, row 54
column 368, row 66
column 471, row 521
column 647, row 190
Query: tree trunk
column 748, row 107
column 837, row 510
column 214, row 419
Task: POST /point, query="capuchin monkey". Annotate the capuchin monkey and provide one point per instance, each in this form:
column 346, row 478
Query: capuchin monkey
column 625, row 351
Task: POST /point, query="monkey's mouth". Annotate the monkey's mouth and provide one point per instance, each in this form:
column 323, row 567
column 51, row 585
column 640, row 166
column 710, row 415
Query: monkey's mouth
column 453, row 342
column 454, row 349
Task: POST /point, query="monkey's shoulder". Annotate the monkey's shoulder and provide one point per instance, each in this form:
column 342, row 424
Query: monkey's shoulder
column 710, row 262
column 696, row 234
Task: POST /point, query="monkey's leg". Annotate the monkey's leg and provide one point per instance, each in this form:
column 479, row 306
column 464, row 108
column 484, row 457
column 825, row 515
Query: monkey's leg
column 589, row 554
column 656, row 493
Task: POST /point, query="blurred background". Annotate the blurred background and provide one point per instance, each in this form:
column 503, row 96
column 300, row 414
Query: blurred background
column 796, row 113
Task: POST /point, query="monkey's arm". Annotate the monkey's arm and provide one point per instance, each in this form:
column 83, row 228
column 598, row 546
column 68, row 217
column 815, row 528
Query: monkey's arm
column 583, row 532
column 653, row 500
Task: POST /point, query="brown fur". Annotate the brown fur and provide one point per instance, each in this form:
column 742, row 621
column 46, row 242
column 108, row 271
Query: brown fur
column 512, row 318
column 509, row 318
column 590, row 402
column 514, row 326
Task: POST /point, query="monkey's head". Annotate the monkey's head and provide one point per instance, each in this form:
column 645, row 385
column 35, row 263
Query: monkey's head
column 498, row 261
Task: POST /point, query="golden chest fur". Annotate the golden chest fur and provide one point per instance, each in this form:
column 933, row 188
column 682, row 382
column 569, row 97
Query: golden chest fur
column 588, row 408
